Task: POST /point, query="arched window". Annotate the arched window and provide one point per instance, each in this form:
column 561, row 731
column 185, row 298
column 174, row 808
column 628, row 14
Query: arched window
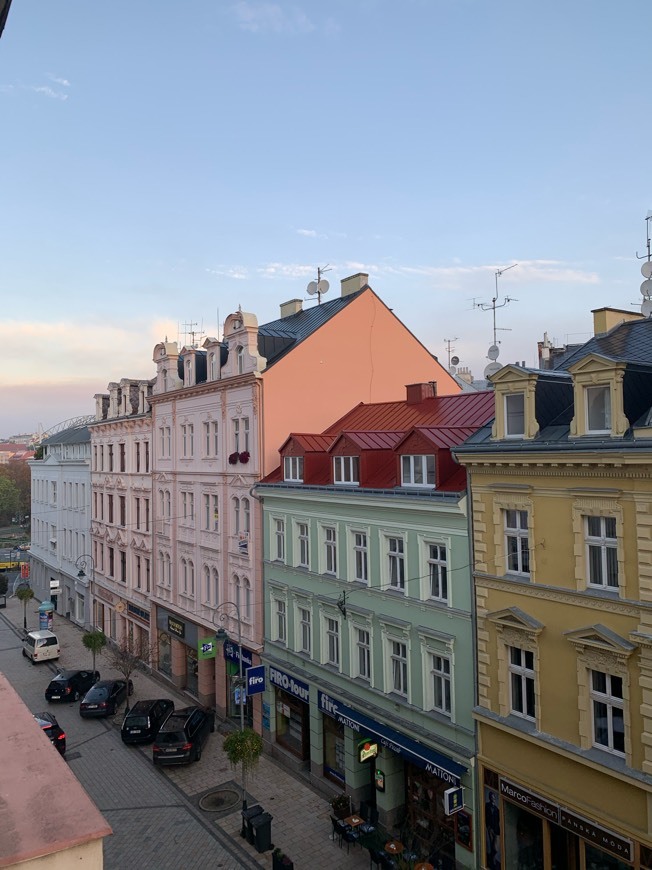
column 161, row 498
column 191, row 578
column 236, row 591
column 216, row 587
column 236, row 514
column 164, row 378
column 246, row 517
column 212, row 367
column 168, row 570
column 184, row 576
column 206, row 585
column 161, row 568
column 240, row 357
column 168, row 509
column 246, row 599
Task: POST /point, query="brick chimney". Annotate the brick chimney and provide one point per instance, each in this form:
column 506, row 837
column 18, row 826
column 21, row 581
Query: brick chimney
column 420, row 392
column 354, row 283
column 293, row 306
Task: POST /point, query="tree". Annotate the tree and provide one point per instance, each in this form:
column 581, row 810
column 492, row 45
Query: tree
column 9, row 500
column 19, row 473
column 24, row 593
column 129, row 655
column 244, row 748
column 95, row 641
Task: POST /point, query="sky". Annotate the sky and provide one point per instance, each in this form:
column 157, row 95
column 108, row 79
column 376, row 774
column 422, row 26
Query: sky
column 164, row 163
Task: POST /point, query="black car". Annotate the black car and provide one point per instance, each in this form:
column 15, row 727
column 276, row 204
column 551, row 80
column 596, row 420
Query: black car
column 142, row 722
column 182, row 735
column 104, row 698
column 70, row 685
column 54, row 731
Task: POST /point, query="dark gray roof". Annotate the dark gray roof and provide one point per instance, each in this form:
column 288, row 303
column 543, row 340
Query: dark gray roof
column 629, row 342
column 74, row 435
column 276, row 338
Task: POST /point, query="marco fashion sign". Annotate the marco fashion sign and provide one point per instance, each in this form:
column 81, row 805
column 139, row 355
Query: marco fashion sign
column 433, row 762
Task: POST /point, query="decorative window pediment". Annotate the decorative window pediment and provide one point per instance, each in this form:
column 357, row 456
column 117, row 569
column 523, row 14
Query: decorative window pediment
column 601, row 638
column 515, row 618
column 515, row 390
column 598, row 397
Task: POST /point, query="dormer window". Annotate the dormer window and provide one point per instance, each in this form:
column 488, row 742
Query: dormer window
column 418, row 470
column 515, row 415
column 239, row 355
column 598, row 409
column 293, row 469
column 346, row 469
column 212, row 366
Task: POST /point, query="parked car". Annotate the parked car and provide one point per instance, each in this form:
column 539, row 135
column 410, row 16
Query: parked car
column 104, row 698
column 41, row 645
column 70, row 685
column 143, row 721
column 54, row 731
column 183, row 735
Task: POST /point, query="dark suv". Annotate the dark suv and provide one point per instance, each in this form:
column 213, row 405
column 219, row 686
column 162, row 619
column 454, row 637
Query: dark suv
column 70, row 685
column 182, row 735
column 142, row 722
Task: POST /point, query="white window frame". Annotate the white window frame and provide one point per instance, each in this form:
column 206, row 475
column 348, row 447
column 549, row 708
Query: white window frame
column 360, row 555
column 187, row 440
column 280, row 620
column 418, row 470
column 441, row 680
column 597, row 390
column 522, row 678
column 279, row 539
column 330, row 550
column 438, row 587
column 520, row 534
column 346, row 470
column 604, row 544
column 514, row 417
column 615, row 704
column 398, row 667
column 332, row 641
column 396, row 567
column 361, row 658
column 293, row 469
column 304, row 629
column 303, row 545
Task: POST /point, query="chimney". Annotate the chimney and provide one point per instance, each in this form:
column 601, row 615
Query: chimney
column 354, row 283
column 605, row 319
column 420, row 392
column 291, row 307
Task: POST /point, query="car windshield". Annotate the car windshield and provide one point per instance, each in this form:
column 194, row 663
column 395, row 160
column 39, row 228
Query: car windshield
column 136, row 722
column 98, row 693
column 170, row 737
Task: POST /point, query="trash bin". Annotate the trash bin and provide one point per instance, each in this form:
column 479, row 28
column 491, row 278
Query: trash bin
column 262, row 825
column 247, row 816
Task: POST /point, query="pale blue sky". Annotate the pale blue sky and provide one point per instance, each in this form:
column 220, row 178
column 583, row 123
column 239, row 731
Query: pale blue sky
column 163, row 162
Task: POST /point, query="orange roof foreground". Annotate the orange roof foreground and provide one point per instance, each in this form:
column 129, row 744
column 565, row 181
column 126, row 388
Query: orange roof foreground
column 43, row 808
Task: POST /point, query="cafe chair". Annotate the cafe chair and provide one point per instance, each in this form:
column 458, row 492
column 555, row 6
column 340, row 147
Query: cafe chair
column 338, row 829
column 350, row 836
column 374, row 857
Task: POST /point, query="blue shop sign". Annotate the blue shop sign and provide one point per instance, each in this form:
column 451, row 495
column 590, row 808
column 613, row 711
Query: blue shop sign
column 433, row 762
column 231, row 654
column 289, row 684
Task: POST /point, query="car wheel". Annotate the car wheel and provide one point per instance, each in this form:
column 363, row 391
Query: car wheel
column 198, row 752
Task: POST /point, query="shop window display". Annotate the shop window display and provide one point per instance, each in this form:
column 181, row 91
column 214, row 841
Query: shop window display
column 523, row 839
column 428, row 831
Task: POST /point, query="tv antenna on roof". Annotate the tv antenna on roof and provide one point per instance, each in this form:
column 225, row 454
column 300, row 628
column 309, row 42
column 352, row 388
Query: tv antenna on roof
column 452, row 360
column 193, row 333
column 494, row 350
column 321, row 285
column 646, row 271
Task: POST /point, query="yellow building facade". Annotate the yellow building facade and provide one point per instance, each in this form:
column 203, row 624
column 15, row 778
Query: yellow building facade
column 561, row 493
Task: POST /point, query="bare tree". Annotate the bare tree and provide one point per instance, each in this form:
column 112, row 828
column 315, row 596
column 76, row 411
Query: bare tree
column 129, row 655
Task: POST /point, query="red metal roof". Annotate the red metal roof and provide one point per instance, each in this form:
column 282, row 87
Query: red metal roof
column 309, row 442
column 464, row 411
column 373, row 440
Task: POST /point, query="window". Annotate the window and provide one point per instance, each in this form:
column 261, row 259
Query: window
column 111, row 562
column 137, row 457
column 440, row 671
column 110, row 508
column 239, row 355
column 293, row 468
column 396, row 563
column 517, row 542
column 187, row 577
column 236, row 514
column 168, row 504
column 211, row 586
column 304, row 545
column 332, row 642
column 146, row 457
column 211, row 513
column 521, row 682
column 187, row 506
column 346, row 469
column 123, row 460
column 110, row 457
column 279, row 539
column 360, row 557
column 418, row 470
column 281, row 621
column 362, row 659
column 330, row 550
column 438, row 572
column 399, row 668
column 139, row 581
column 146, row 500
column 514, row 415
column 602, row 552
column 608, row 712
column 598, row 409
column 305, row 630
column 188, row 440
column 211, row 438
column 241, row 434
column 165, row 441
column 123, row 510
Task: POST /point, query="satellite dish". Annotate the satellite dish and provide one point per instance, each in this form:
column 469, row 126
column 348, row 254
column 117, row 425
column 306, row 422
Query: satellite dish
column 323, row 286
column 455, row 360
column 646, row 269
column 646, row 307
column 646, row 288
column 312, row 288
column 492, row 368
column 493, row 353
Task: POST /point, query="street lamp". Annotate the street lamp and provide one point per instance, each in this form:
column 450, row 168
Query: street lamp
column 221, row 636
column 82, row 562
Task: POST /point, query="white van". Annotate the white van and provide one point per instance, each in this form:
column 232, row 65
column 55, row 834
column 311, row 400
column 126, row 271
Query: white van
column 41, row 645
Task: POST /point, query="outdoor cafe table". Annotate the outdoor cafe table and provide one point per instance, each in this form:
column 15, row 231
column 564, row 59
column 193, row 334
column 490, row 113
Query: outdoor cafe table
column 394, row 847
column 354, row 821
column 423, row 865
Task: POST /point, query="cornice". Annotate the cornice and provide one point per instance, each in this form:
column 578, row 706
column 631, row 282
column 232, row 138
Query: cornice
column 221, row 386
column 599, row 470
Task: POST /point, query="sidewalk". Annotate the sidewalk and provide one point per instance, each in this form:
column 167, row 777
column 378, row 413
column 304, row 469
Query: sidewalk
column 301, row 824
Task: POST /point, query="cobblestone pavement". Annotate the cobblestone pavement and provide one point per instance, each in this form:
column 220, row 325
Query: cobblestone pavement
column 154, row 812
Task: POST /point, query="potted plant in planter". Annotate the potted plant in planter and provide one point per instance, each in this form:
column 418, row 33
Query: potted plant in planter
column 244, row 456
column 341, row 805
column 281, row 861
column 233, row 457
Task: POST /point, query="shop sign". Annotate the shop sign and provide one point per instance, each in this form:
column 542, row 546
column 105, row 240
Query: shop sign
column 103, row 594
column 232, row 654
column 431, row 761
column 379, row 780
column 531, row 802
column 138, row 613
column 367, row 750
column 176, row 627
column 601, row 837
column 24, row 570
column 206, row 648
column 453, row 800
column 256, row 680
column 289, row 684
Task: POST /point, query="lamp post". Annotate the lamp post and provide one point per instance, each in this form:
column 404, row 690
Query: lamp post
column 221, row 636
column 82, row 562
